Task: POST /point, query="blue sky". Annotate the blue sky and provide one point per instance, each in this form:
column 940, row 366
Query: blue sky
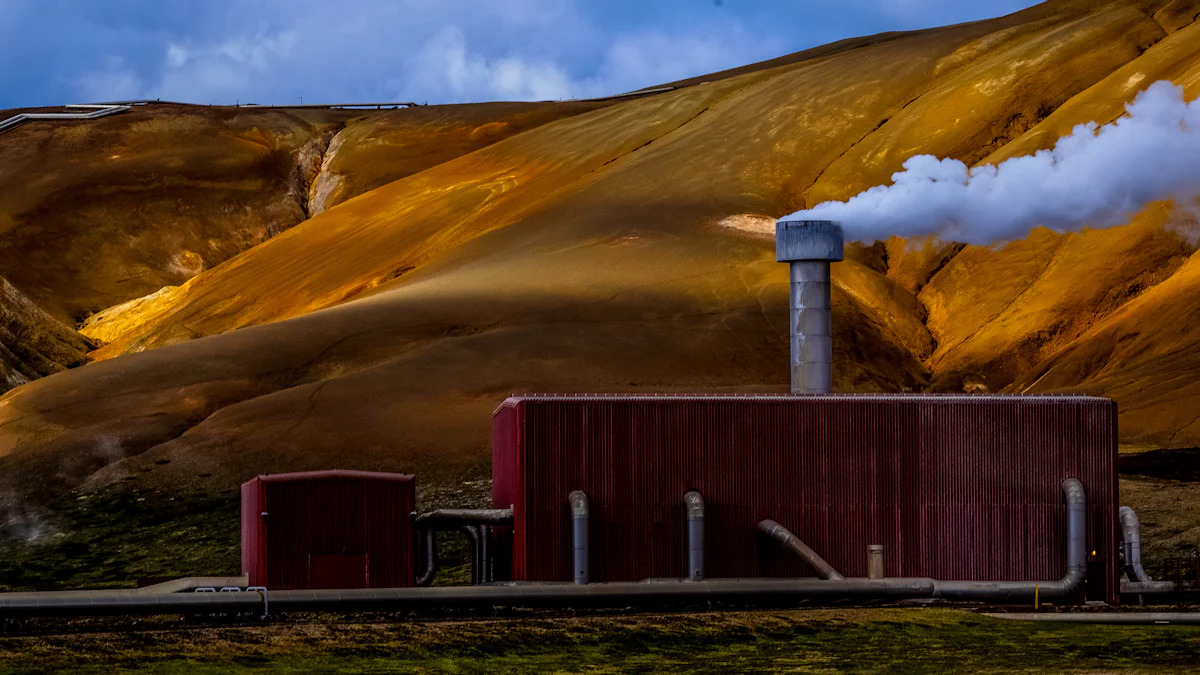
column 441, row 51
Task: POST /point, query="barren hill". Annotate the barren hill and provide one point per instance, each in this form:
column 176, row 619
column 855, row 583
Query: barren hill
column 451, row 255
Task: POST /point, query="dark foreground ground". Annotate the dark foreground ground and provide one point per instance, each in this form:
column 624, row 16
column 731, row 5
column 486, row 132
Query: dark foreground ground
column 803, row 641
column 119, row 536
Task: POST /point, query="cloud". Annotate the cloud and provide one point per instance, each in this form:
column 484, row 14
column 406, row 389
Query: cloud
column 224, row 72
column 446, row 67
column 116, row 81
column 273, row 51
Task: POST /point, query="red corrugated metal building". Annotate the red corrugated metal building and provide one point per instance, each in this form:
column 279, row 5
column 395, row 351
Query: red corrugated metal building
column 954, row 487
column 329, row 529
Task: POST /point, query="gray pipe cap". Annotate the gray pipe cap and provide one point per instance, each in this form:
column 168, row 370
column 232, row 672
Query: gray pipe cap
column 808, row 240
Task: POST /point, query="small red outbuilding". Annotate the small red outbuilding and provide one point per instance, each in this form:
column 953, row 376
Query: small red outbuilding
column 329, row 529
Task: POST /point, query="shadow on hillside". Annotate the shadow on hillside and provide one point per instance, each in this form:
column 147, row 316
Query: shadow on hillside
column 1182, row 464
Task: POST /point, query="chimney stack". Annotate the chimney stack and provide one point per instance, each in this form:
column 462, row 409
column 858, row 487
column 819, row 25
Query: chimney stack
column 808, row 246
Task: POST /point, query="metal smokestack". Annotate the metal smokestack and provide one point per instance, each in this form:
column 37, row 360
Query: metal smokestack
column 808, row 246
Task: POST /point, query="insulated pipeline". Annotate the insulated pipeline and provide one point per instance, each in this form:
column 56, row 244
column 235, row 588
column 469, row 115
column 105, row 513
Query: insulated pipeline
column 754, row 591
column 453, row 518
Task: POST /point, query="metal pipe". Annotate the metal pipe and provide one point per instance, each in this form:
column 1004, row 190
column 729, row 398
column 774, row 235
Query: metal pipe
column 1150, row 587
column 453, row 518
column 579, row 535
column 809, row 246
column 472, row 532
column 472, row 522
column 485, row 554
column 792, row 543
column 753, row 591
column 694, row 505
column 1025, row 590
column 1134, row 618
column 429, row 543
column 97, row 111
column 1132, row 543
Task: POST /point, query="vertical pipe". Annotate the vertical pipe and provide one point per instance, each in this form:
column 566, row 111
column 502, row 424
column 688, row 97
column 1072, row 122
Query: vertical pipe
column 694, row 505
column 472, row 532
column 429, row 544
column 485, row 554
column 811, row 328
column 875, row 561
column 1132, row 543
column 1076, row 529
column 579, row 535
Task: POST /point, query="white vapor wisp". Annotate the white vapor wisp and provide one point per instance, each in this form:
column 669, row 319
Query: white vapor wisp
column 1097, row 176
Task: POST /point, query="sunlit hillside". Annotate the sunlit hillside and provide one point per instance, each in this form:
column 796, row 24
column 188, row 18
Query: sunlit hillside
column 362, row 289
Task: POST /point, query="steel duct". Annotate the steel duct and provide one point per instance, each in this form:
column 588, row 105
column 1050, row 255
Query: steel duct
column 809, row 246
column 694, row 505
column 792, row 543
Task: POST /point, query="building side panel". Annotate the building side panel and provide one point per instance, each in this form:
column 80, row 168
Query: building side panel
column 954, row 488
column 251, row 531
column 356, row 517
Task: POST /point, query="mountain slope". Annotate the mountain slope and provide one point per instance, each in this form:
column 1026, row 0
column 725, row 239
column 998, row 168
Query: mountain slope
column 628, row 248
column 32, row 343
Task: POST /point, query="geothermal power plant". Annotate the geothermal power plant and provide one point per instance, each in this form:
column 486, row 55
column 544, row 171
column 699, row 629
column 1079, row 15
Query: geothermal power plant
column 618, row 501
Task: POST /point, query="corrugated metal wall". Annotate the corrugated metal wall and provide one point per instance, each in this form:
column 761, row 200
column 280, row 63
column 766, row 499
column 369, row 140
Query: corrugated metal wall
column 955, row 487
column 328, row 512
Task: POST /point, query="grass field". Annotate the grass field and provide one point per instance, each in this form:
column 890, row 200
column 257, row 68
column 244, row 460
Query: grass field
column 904, row 640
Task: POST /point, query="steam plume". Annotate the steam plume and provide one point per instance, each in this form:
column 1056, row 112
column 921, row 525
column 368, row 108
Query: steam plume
column 1096, row 176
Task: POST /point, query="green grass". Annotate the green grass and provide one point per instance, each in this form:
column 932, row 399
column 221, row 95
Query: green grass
column 816, row 641
column 114, row 537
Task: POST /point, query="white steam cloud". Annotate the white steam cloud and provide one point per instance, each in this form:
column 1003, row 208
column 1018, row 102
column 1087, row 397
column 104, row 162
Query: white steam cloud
column 1097, row 176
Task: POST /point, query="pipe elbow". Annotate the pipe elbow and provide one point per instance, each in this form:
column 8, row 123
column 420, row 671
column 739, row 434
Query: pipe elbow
column 579, row 504
column 1131, row 538
column 1073, row 492
column 693, row 502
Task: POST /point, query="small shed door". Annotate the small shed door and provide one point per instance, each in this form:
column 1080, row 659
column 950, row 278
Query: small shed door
column 338, row 570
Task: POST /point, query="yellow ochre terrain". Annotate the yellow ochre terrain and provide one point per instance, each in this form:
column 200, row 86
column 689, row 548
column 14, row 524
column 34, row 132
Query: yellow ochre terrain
column 270, row 290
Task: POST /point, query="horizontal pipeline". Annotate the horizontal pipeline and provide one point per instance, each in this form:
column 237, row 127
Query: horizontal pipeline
column 1129, row 618
column 453, row 518
column 1151, row 588
column 593, row 596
